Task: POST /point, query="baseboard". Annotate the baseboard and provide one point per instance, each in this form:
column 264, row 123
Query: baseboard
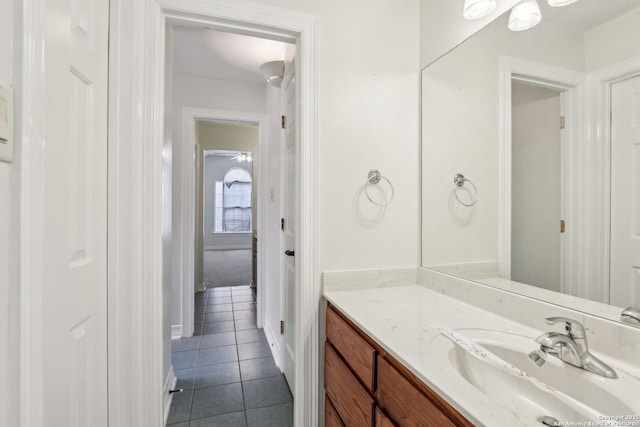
column 228, row 247
column 176, row 332
column 169, row 384
column 274, row 344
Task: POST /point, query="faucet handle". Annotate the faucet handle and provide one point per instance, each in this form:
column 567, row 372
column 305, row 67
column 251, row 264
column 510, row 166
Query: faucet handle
column 575, row 328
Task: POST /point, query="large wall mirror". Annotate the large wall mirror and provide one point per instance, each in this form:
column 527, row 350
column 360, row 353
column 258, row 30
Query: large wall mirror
column 531, row 157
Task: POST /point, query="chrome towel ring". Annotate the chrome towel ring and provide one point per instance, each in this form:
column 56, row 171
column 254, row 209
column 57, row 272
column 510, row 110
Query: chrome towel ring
column 373, row 178
column 459, row 181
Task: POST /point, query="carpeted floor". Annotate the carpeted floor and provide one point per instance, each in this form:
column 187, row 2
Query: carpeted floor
column 227, row 268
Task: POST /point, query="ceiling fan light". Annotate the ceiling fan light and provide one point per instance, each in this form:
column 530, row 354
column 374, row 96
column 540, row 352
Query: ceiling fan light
column 475, row 9
column 560, row 3
column 525, row 15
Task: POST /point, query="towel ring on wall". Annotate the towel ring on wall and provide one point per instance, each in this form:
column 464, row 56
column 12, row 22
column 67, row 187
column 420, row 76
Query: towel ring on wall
column 373, row 178
column 459, row 181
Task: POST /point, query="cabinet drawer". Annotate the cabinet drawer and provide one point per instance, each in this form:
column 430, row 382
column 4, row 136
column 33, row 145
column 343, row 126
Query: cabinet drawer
column 354, row 349
column 331, row 417
column 382, row 420
column 404, row 403
column 349, row 398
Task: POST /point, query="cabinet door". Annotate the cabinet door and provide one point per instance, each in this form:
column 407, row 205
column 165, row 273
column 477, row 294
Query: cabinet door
column 331, row 417
column 351, row 400
column 382, row 420
column 404, row 403
column 358, row 354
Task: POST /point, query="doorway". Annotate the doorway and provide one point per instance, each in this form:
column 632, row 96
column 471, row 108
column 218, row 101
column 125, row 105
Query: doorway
column 137, row 47
column 536, row 182
column 229, row 340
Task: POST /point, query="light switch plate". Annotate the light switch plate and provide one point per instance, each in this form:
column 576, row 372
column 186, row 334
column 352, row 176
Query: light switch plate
column 6, row 124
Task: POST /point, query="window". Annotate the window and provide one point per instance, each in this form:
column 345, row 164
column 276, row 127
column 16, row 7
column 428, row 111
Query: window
column 232, row 213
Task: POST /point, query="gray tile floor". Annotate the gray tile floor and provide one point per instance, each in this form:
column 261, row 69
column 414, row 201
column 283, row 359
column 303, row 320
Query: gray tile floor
column 226, row 369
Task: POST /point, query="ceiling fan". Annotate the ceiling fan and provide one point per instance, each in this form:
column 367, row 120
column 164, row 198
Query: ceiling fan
column 243, row 157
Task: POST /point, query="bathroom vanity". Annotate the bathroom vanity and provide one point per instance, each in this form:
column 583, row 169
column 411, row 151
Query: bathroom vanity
column 388, row 363
column 367, row 386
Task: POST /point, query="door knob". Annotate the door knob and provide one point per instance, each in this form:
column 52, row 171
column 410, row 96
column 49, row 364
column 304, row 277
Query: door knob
column 289, row 253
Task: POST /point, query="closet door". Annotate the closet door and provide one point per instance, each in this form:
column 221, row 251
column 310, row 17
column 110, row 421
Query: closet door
column 625, row 193
column 73, row 215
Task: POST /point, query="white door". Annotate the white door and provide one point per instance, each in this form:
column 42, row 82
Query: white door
column 74, row 214
column 536, row 180
column 289, row 209
column 625, row 193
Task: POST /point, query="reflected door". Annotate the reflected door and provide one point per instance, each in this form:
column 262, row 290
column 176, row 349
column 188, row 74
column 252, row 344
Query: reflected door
column 625, row 193
column 536, row 256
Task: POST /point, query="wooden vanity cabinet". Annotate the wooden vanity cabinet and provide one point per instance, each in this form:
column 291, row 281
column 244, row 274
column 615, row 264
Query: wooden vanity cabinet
column 365, row 386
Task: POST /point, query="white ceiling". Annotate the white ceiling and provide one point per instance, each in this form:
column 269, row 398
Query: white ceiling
column 223, row 56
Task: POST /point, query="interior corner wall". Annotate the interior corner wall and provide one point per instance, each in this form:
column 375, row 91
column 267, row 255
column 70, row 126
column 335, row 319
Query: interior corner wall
column 442, row 26
column 190, row 91
column 612, row 41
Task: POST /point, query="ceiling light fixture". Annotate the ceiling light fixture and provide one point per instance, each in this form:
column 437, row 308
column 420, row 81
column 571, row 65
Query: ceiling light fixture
column 273, row 72
column 560, row 3
column 524, row 15
column 475, row 9
column 243, row 157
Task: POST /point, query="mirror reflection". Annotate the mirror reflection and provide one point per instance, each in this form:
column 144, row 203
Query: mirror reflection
column 531, row 157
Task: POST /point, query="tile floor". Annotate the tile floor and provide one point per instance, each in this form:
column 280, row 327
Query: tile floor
column 226, row 369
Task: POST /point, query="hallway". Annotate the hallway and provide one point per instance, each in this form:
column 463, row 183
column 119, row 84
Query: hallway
column 226, row 369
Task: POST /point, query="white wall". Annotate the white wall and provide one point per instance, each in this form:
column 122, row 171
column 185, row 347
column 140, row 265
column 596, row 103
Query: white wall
column 368, row 94
column 613, row 41
column 535, row 180
column 9, row 250
column 215, row 168
column 442, row 26
column 469, row 144
column 189, row 91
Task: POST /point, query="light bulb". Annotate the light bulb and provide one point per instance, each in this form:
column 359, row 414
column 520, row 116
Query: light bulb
column 474, row 9
column 524, row 15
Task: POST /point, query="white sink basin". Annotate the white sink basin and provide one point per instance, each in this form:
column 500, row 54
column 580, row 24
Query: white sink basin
column 581, row 395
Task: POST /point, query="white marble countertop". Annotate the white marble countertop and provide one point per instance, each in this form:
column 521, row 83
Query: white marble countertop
column 405, row 319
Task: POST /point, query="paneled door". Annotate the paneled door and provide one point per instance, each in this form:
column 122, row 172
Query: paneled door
column 625, row 193
column 74, row 214
column 289, row 187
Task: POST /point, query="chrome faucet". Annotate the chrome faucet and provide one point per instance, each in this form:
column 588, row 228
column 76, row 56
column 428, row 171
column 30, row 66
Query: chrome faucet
column 631, row 315
column 571, row 348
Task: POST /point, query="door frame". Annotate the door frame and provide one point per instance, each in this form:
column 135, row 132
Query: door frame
column 30, row 160
column 137, row 46
column 600, row 82
column 571, row 85
column 190, row 115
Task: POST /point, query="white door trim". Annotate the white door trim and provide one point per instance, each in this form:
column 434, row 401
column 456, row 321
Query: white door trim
column 30, row 159
column 188, row 199
column 537, row 73
column 599, row 136
column 135, row 225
